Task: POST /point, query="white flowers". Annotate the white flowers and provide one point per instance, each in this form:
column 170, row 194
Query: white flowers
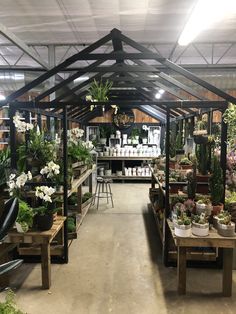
column 51, row 169
column 87, row 144
column 45, row 193
column 21, row 126
column 15, row 182
column 75, row 134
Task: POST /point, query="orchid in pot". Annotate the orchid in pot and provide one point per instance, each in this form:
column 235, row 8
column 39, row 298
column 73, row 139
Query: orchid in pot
column 44, row 212
column 16, row 183
column 51, row 173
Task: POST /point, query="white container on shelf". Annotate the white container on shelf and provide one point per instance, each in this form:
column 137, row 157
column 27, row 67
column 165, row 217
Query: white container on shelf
column 183, row 230
column 201, row 230
column 118, row 134
column 108, row 172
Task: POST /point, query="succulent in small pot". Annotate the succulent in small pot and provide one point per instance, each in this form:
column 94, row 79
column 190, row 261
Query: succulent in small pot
column 200, row 225
column 185, row 163
column 183, row 226
column 226, row 227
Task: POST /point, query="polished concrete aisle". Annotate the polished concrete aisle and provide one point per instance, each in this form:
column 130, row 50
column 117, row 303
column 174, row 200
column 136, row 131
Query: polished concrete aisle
column 115, row 267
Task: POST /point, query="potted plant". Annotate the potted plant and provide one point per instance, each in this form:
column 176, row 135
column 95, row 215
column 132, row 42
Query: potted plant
column 144, row 134
column 189, row 206
column 192, row 184
column 225, row 226
column 200, row 132
column 135, row 133
column 104, row 132
column 185, row 163
column 200, row 225
column 216, row 186
column 44, row 212
column 183, row 226
column 178, row 209
column 25, row 216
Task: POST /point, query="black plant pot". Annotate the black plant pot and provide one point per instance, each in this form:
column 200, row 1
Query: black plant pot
column 200, row 139
column 44, row 222
column 180, row 151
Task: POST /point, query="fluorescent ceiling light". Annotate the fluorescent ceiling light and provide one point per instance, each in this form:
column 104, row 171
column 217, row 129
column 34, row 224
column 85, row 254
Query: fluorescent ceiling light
column 204, row 15
column 81, row 79
column 161, row 91
column 2, row 97
column 158, row 96
column 153, row 75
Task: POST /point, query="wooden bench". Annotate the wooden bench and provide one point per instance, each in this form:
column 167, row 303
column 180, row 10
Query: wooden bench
column 43, row 239
column 212, row 240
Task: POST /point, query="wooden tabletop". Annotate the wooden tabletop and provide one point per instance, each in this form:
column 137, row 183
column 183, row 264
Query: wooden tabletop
column 36, row 236
column 212, row 240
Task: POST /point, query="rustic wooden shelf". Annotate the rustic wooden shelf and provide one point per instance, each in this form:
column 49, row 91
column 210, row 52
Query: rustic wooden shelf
column 126, row 158
column 123, row 177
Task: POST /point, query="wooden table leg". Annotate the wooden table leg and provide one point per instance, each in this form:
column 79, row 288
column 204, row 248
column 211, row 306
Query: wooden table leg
column 181, row 269
column 46, row 265
column 227, row 272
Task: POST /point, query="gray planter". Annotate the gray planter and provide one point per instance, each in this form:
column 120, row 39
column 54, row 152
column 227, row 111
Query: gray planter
column 226, row 230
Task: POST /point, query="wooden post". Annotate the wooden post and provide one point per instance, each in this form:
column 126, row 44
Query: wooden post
column 181, row 268
column 227, row 272
column 46, row 266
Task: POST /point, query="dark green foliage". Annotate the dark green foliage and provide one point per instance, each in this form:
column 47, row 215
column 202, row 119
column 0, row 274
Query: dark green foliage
column 192, row 184
column 79, row 152
column 105, row 131
column 216, row 182
column 179, row 142
column 71, row 226
column 73, row 199
column 202, row 158
column 4, row 167
column 86, row 197
column 135, row 132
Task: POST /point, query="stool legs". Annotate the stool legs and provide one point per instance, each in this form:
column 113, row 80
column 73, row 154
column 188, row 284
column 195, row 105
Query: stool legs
column 95, row 194
column 111, row 195
column 107, row 193
column 99, row 188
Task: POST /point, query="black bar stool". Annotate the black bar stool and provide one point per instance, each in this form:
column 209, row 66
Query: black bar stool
column 103, row 190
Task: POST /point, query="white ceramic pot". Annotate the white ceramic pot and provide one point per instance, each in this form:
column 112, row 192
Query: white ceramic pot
column 200, row 208
column 183, row 230
column 103, row 141
column 21, row 228
column 112, row 135
column 129, row 141
column 200, row 230
column 144, row 140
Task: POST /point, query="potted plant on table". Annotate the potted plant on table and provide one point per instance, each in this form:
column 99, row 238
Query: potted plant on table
column 185, row 163
column 183, row 226
column 135, row 133
column 225, row 226
column 200, row 225
column 47, row 207
column 24, row 220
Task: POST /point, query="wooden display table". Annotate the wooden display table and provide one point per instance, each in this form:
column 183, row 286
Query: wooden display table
column 212, row 240
column 43, row 238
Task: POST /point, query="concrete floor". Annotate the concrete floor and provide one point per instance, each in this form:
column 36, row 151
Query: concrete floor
column 115, row 267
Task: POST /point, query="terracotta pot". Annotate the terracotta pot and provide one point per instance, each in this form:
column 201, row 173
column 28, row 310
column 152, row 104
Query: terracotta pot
column 216, row 209
column 186, row 167
column 172, row 164
column 202, row 178
column 202, row 188
column 44, row 222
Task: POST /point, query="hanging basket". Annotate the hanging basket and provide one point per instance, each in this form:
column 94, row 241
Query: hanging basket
column 200, row 139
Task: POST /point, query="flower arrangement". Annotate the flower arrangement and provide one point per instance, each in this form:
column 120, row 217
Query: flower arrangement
column 45, row 193
column 74, row 135
column 15, row 182
column 21, row 126
column 50, row 170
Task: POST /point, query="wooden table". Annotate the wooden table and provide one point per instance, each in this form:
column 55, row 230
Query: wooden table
column 42, row 238
column 212, row 240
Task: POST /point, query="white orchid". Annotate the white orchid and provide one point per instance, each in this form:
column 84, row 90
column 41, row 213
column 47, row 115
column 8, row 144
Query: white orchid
column 51, row 169
column 21, row 126
column 45, row 193
column 87, row 144
column 75, row 134
column 16, row 183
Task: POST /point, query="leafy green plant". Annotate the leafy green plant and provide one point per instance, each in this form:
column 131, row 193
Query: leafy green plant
column 25, row 214
column 71, row 226
column 230, row 118
column 4, row 167
column 185, row 161
column 79, row 152
column 9, row 305
column 105, row 131
column 135, row 132
column 99, row 91
column 216, row 182
column 86, row 196
column 73, row 199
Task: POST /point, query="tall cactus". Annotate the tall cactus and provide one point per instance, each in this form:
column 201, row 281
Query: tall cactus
column 192, row 182
column 202, row 158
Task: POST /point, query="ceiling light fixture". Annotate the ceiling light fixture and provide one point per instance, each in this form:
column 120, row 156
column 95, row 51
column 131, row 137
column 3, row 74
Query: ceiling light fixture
column 158, row 96
column 204, row 14
column 81, row 79
column 161, row 91
column 2, row 97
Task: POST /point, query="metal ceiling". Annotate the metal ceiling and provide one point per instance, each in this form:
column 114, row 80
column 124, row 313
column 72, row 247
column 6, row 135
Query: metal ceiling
column 132, row 76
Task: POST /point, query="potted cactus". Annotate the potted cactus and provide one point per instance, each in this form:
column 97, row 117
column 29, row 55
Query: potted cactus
column 183, row 226
column 225, row 226
column 216, row 186
column 200, row 225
